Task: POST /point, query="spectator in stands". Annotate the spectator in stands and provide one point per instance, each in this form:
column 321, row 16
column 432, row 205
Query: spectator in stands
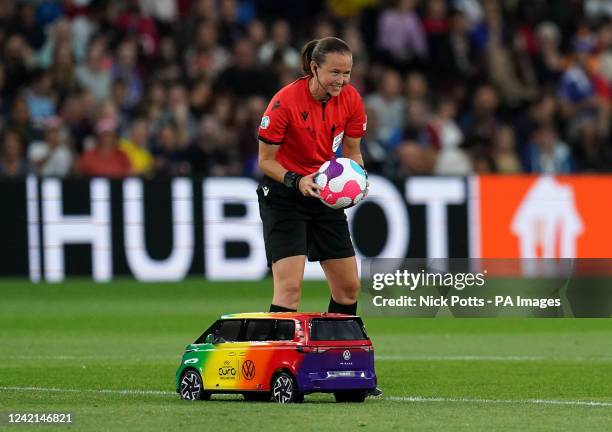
column 135, row 146
column 17, row 56
column 63, row 71
column 580, row 105
column 454, row 58
column 401, row 34
column 93, row 74
column 20, row 121
column 231, row 29
column 178, row 113
column 75, row 116
column 205, row 56
column 244, row 78
column 154, row 104
column 418, row 128
column 511, row 70
column 481, row 121
column 201, row 97
column 436, row 24
column 549, row 61
column 416, row 87
column 451, row 159
column 40, row 97
column 211, row 154
column 105, row 159
column 247, row 121
column 280, row 41
column 389, row 107
column 132, row 21
column 12, row 162
column 546, row 154
column 26, row 26
column 52, row 155
column 491, row 24
column 375, row 156
column 170, row 157
column 126, row 69
column 413, row 159
column 257, row 34
column 542, row 112
column 167, row 65
column 504, row 152
column 4, row 108
column 59, row 35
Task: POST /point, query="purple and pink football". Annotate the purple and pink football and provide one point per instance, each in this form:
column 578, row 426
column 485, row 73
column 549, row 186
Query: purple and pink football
column 343, row 182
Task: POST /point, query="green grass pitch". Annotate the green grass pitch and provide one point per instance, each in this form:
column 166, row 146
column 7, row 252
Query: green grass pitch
column 108, row 352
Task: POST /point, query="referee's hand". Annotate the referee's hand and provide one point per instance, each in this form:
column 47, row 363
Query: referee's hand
column 308, row 187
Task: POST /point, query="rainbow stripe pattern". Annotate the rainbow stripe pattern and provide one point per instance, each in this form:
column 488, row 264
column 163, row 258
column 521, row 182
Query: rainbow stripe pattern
column 316, row 365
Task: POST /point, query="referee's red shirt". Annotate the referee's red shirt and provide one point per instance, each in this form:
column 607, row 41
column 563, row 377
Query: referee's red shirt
column 308, row 131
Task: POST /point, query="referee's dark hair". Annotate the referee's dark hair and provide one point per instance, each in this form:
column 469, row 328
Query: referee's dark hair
column 317, row 50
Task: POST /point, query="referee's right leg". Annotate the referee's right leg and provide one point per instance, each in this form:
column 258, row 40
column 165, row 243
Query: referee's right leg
column 284, row 230
column 287, row 274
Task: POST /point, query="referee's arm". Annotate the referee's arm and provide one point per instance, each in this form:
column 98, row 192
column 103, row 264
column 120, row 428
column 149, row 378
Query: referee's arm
column 351, row 148
column 268, row 164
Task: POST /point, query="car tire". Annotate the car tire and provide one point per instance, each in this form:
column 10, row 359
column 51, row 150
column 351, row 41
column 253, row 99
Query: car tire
column 191, row 386
column 257, row 397
column 351, row 395
column 284, row 389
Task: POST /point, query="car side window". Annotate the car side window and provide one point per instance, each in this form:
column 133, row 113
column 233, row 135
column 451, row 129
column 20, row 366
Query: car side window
column 259, row 330
column 228, row 331
column 285, row 330
column 210, row 330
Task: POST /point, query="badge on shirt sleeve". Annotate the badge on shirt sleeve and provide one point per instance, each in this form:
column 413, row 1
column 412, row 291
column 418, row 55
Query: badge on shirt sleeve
column 337, row 141
column 265, row 122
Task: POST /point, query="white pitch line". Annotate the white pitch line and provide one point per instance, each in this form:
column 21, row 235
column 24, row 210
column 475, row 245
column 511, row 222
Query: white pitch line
column 102, row 391
column 411, row 399
column 500, row 401
column 88, row 357
column 489, row 358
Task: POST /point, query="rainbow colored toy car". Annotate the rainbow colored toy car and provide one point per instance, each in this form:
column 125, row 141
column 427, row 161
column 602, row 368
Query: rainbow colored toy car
column 280, row 356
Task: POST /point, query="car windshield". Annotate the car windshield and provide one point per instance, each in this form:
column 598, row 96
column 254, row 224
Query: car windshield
column 337, row 329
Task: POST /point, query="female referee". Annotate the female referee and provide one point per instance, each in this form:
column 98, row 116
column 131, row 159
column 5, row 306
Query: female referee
column 304, row 124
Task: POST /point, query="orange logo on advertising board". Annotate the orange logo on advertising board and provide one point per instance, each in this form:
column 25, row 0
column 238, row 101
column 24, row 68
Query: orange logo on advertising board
column 544, row 217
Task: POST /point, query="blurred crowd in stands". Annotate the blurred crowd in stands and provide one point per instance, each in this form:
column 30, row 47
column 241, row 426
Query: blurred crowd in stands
column 178, row 87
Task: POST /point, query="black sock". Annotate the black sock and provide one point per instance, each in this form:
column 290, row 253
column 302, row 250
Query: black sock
column 350, row 309
column 274, row 308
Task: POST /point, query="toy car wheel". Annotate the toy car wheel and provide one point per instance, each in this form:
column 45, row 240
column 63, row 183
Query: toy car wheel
column 257, row 396
column 191, row 387
column 285, row 390
column 351, row 395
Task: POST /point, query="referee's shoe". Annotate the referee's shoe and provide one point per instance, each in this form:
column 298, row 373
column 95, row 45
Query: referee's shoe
column 375, row 392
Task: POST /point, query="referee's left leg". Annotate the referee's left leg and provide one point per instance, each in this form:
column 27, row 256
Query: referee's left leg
column 343, row 280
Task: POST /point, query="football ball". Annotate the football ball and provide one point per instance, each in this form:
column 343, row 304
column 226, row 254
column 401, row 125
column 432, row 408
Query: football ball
column 343, row 182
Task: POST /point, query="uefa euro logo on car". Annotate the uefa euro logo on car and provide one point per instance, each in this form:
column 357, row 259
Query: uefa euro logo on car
column 281, row 357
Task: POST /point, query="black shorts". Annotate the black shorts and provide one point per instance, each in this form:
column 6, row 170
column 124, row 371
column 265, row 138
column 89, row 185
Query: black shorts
column 297, row 225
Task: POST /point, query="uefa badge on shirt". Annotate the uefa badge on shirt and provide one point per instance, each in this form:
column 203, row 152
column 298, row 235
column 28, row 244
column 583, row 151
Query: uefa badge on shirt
column 265, row 122
column 337, row 141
